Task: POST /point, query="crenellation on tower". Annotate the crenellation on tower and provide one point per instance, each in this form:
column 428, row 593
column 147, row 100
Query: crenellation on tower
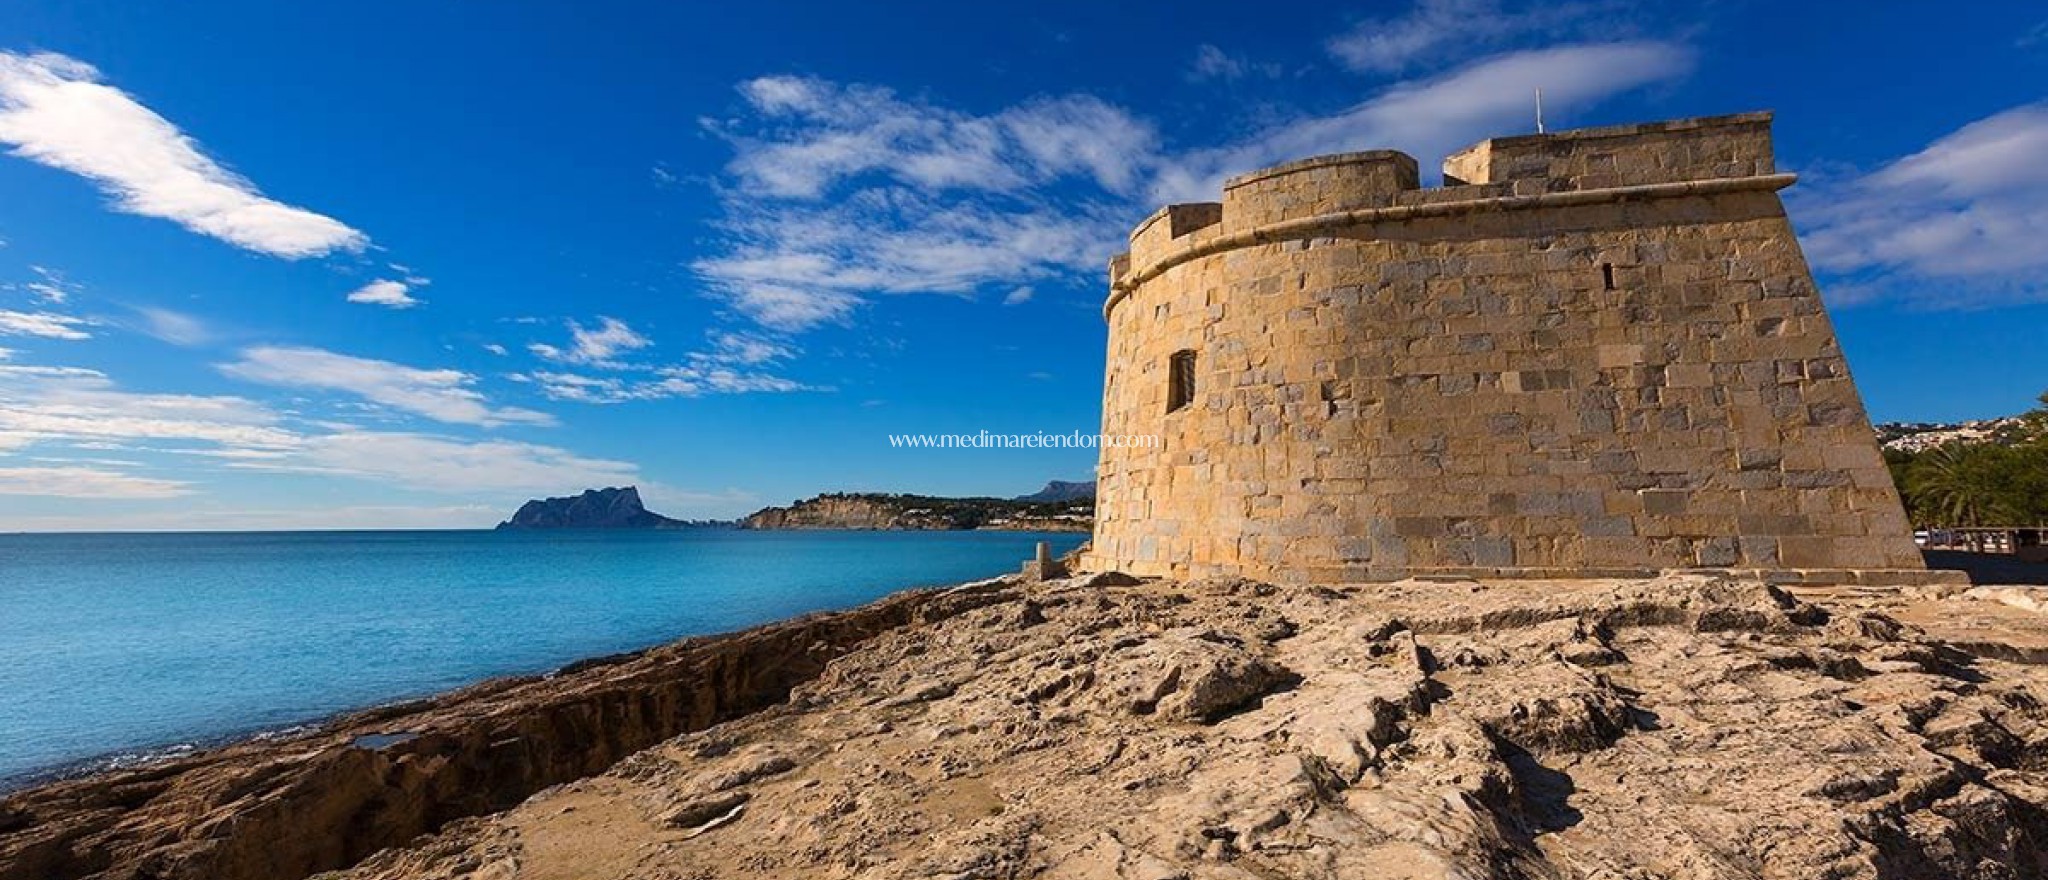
column 1591, row 351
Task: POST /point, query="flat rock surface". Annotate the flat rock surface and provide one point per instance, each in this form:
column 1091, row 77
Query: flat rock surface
column 1684, row 727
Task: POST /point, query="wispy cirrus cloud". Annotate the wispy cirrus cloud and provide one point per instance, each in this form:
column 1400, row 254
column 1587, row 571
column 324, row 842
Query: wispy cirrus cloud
column 445, row 464
column 87, row 482
column 686, row 380
column 1433, row 32
column 172, row 326
column 56, row 111
column 71, row 405
column 837, row 193
column 72, row 410
column 1958, row 224
column 733, row 363
column 1213, row 63
column 442, row 395
column 48, row 325
column 50, row 286
column 1431, row 117
column 598, row 346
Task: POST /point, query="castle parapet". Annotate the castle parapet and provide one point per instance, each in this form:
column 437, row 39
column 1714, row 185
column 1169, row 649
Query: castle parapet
column 1706, row 148
column 1378, row 190
column 1320, row 185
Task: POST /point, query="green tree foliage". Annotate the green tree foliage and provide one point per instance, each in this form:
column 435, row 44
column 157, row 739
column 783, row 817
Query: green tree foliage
column 2003, row 482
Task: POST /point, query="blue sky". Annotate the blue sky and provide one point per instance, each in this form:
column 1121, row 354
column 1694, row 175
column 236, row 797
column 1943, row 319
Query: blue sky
column 278, row 265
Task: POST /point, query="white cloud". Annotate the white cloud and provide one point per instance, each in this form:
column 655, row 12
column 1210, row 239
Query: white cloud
column 1212, row 63
column 1432, row 117
column 386, row 293
column 777, row 306
column 48, row 325
column 82, row 410
column 54, row 110
column 174, row 327
column 734, row 363
column 697, row 380
column 840, row 192
column 86, row 482
column 189, row 515
column 812, row 134
column 51, row 287
column 791, row 267
column 1959, row 223
column 495, row 349
column 595, row 346
column 745, row 348
column 1019, row 296
column 442, row 395
column 1434, row 31
column 443, row 464
column 63, row 404
column 684, row 380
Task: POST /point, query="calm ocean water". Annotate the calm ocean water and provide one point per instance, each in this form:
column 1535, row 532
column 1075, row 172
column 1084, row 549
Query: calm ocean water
column 115, row 645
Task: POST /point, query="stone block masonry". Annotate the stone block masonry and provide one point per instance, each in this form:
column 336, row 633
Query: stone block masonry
column 1595, row 352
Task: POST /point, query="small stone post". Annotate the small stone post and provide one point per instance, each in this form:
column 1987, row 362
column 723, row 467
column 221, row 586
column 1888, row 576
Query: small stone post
column 1043, row 567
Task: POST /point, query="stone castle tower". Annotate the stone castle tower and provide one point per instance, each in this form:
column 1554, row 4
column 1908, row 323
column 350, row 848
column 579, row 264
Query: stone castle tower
column 1590, row 352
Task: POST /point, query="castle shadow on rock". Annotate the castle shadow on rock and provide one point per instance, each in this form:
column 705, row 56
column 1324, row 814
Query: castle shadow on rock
column 1594, row 351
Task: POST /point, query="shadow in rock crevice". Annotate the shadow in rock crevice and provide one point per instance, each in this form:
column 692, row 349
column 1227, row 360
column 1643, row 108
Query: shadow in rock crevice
column 1544, row 794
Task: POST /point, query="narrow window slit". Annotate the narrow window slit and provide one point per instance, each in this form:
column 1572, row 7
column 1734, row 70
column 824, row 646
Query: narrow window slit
column 1607, row 275
column 1180, row 380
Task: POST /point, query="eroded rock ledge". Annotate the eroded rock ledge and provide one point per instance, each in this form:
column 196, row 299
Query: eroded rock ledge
column 284, row 809
column 1693, row 727
column 1680, row 727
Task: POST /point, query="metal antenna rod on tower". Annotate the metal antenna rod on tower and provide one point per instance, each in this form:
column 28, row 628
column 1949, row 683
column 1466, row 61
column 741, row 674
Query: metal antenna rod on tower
column 1539, row 109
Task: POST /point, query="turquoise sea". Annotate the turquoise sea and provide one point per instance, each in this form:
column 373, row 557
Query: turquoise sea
column 119, row 645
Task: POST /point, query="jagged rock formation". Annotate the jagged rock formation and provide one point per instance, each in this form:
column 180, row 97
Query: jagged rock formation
column 840, row 510
column 617, row 508
column 1694, row 726
column 1062, row 490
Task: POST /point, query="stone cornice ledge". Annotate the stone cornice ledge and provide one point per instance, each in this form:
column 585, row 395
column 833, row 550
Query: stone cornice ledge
column 1309, row 227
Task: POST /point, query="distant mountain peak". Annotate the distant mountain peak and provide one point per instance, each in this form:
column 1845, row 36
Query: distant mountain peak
column 1061, row 490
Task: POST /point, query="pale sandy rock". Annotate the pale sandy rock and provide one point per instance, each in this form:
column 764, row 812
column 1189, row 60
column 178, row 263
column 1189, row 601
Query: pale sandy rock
column 1682, row 727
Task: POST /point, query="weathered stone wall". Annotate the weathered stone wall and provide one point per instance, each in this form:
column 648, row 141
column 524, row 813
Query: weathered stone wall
column 1603, row 352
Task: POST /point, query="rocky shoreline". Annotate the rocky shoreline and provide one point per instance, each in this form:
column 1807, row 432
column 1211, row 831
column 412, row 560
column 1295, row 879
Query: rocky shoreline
column 1685, row 726
column 293, row 805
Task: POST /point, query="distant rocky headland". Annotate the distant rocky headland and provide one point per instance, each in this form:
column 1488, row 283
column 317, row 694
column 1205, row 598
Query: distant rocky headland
column 846, row 510
column 615, row 508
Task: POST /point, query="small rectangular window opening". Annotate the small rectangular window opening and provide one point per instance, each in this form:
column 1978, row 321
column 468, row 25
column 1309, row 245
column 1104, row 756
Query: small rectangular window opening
column 1180, row 380
column 1607, row 275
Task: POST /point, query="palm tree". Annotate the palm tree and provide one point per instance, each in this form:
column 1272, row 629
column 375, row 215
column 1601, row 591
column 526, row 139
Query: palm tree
column 1962, row 484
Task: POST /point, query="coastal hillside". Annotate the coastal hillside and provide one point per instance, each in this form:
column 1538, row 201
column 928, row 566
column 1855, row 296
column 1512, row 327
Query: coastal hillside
column 615, row 508
column 1917, row 437
column 841, row 510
